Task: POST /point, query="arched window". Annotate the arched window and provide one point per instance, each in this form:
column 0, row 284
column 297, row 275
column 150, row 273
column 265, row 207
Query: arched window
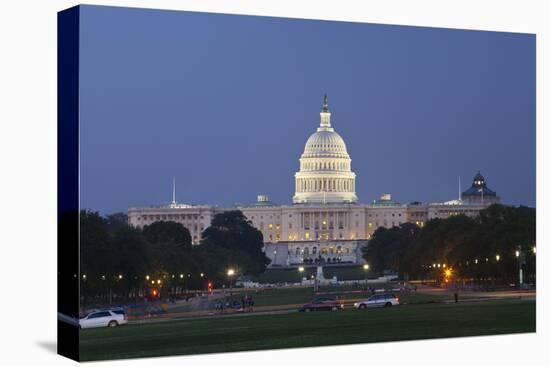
column 297, row 251
column 306, row 251
column 339, row 249
column 314, row 250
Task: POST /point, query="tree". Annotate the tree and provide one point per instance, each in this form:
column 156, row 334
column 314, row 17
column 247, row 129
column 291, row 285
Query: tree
column 232, row 241
column 435, row 243
column 131, row 256
column 97, row 259
column 168, row 232
column 387, row 247
column 170, row 251
column 116, row 221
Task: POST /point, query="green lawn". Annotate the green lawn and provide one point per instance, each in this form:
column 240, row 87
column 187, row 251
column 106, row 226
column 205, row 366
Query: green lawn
column 284, row 296
column 238, row 333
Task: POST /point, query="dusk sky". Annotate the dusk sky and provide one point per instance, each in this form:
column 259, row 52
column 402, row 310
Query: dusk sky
column 226, row 103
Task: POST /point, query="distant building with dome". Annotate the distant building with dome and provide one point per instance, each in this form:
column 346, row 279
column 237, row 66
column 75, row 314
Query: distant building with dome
column 325, row 224
column 479, row 192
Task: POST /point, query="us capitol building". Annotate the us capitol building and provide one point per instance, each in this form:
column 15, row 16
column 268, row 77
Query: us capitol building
column 325, row 223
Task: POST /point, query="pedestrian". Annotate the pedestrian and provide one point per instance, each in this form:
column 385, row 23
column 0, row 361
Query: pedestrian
column 250, row 304
column 456, row 297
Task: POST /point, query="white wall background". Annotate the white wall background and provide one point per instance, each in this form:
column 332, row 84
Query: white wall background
column 28, row 183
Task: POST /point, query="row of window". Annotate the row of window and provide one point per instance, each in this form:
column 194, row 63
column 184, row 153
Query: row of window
column 392, row 214
column 316, row 166
column 170, row 216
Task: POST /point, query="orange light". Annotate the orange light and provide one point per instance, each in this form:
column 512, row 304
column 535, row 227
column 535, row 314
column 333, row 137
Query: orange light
column 154, row 292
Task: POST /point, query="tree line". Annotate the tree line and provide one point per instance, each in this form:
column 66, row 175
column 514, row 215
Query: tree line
column 488, row 247
column 122, row 263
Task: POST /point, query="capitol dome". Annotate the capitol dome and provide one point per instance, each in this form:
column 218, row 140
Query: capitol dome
column 326, row 143
column 325, row 174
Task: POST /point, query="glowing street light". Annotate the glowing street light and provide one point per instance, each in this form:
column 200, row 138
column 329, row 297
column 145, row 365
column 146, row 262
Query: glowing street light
column 147, row 277
column 181, row 276
column 366, row 267
column 119, row 276
column 448, row 273
column 230, row 273
column 517, row 253
column 497, row 257
column 202, row 275
column 534, row 250
column 301, row 269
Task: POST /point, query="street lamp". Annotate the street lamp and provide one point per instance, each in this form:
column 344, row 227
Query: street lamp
column 301, row 269
column 497, row 257
column 521, row 261
column 230, row 273
column 366, row 268
column 534, row 250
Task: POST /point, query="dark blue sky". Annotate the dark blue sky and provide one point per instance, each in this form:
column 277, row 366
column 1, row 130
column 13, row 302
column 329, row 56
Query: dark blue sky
column 226, row 103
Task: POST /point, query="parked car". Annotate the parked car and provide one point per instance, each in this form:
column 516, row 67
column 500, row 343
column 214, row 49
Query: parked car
column 323, row 304
column 378, row 300
column 104, row 318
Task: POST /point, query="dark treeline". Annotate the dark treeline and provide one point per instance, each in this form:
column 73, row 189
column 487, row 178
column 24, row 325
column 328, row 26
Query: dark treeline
column 122, row 263
column 490, row 246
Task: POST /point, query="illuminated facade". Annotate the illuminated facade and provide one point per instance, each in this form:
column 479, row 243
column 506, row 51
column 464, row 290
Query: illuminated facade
column 325, row 224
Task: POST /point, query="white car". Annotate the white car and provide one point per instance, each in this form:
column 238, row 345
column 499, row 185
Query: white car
column 103, row 318
column 378, row 300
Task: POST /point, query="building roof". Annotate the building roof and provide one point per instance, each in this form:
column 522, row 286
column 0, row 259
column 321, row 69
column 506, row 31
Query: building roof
column 479, row 187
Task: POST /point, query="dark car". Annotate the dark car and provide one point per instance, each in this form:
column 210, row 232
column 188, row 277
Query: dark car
column 323, row 304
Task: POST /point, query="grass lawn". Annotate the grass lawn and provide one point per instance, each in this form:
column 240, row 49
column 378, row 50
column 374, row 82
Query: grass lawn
column 285, row 296
column 295, row 329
